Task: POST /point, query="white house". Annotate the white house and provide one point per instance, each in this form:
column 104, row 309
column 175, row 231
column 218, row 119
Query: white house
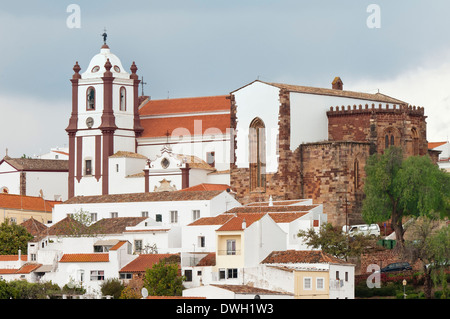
column 200, row 238
column 90, row 270
column 57, row 153
column 34, row 177
column 175, row 208
column 306, row 274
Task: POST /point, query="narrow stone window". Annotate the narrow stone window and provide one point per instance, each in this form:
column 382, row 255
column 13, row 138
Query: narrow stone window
column 257, row 143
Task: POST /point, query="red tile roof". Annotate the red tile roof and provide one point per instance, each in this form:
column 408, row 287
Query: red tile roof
column 32, row 164
column 301, row 256
column 216, row 220
column 28, row 203
column 433, row 145
column 235, row 223
column 145, row 197
column 118, row 245
column 186, row 126
column 272, row 209
column 13, row 257
column 225, row 217
column 208, row 260
column 207, row 187
column 144, row 261
column 33, row 226
column 25, row 269
column 186, row 105
column 84, row 258
column 244, row 289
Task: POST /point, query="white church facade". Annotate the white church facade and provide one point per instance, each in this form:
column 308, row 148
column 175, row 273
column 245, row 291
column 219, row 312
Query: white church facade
column 121, row 143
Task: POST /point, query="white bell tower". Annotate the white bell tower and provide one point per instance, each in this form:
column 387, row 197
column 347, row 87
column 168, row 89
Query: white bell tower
column 104, row 120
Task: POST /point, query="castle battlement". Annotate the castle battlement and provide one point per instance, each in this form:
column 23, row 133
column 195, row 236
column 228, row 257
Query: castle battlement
column 380, row 108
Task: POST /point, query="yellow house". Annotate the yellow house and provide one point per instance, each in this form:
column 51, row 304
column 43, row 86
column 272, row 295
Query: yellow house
column 19, row 208
column 311, row 284
column 244, row 241
column 316, row 275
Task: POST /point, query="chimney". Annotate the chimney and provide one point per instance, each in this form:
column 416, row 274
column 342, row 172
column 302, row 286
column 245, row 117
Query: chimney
column 19, row 255
column 337, row 84
column 244, row 224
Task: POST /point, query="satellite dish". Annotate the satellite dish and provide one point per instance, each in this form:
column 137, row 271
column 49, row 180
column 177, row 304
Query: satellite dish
column 144, row 293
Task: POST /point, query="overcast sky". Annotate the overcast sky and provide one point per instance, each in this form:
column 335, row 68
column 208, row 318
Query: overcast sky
column 189, row 48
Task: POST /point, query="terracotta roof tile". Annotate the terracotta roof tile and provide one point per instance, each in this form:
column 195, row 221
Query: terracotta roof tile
column 13, row 257
column 378, row 97
column 221, row 219
column 144, row 261
column 115, row 225
column 235, row 223
column 271, row 209
column 118, row 245
column 244, row 289
column 301, row 256
column 33, row 226
column 32, row 164
column 195, row 162
column 186, row 125
column 84, row 258
column 207, row 187
column 185, row 105
column 27, row 268
column 127, row 154
column 432, row 145
column 29, row 203
column 208, row 260
column 216, row 220
column 145, row 197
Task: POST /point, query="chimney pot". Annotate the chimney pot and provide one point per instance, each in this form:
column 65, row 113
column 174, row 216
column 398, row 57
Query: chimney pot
column 337, row 84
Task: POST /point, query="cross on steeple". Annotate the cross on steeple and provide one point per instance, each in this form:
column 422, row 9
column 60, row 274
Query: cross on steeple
column 142, row 85
column 104, row 35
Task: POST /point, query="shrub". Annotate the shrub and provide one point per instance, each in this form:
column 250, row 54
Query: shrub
column 112, row 287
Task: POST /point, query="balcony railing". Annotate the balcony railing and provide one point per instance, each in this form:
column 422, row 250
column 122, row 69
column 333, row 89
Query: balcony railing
column 228, row 252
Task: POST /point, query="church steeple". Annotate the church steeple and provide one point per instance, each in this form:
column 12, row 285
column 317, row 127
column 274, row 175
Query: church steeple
column 104, row 120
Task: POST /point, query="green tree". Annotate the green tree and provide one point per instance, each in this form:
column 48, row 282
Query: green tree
column 429, row 241
column 112, row 287
column 396, row 188
column 163, row 279
column 335, row 242
column 12, row 238
column 6, row 292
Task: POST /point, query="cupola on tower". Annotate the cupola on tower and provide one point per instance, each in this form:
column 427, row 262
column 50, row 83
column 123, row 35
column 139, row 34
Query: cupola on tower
column 104, row 120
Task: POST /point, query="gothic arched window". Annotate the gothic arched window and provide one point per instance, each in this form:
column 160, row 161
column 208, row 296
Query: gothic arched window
column 390, row 137
column 257, row 155
column 90, row 98
column 356, row 174
column 415, row 142
column 123, row 99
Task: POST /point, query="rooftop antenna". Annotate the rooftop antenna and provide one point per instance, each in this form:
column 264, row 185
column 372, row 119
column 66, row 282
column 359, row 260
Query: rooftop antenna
column 142, row 84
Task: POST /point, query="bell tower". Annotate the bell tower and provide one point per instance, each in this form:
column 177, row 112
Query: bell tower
column 104, row 120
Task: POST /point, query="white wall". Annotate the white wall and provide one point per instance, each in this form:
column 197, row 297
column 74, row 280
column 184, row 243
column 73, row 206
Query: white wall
column 135, row 209
column 271, row 278
column 54, row 185
column 346, row 290
column 257, row 100
column 260, row 239
column 9, row 178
